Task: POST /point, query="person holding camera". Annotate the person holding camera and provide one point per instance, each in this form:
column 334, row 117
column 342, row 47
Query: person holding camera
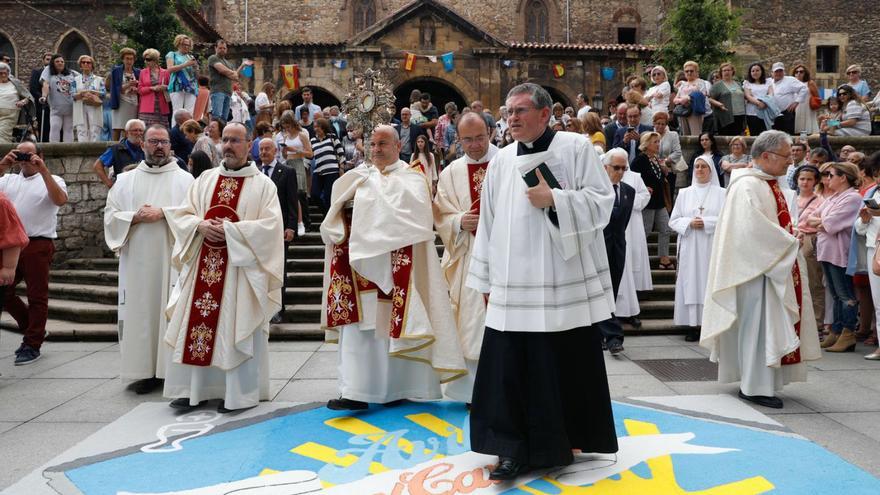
column 37, row 195
column 627, row 137
column 88, row 102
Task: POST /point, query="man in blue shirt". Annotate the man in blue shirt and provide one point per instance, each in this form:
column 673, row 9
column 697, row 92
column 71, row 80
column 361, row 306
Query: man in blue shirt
column 127, row 151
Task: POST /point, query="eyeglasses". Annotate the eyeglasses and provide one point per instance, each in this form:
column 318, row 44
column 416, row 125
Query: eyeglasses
column 519, row 111
column 84, row 62
column 826, row 174
column 159, row 142
column 619, row 168
column 843, row 93
column 787, row 157
column 688, row 71
column 799, row 71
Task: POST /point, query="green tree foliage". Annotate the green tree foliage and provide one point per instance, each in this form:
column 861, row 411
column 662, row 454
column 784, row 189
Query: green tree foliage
column 698, row 30
column 153, row 24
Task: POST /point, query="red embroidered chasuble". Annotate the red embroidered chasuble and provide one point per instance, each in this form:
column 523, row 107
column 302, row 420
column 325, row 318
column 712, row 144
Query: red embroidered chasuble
column 346, row 285
column 784, row 218
column 476, row 175
column 211, row 277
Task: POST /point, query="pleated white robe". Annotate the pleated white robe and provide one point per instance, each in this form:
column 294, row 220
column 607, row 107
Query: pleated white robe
column 453, row 200
column 694, row 248
column 391, row 210
column 239, row 370
column 637, row 267
column 750, row 306
column 145, row 272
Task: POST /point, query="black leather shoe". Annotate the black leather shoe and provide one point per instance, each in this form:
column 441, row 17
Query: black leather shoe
column 142, row 387
column 762, row 400
column 221, row 408
column 508, row 469
column 615, row 348
column 276, row 319
column 693, row 335
column 342, row 404
column 183, row 403
column 634, row 321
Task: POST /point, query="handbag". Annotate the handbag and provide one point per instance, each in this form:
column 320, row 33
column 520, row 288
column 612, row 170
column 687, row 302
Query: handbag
column 815, row 102
column 681, row 111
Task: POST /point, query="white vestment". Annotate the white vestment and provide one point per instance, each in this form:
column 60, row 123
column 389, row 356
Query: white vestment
column 391, row 210
column 751, row 307
column 452, row 202
column 541, row 277
column 239, row 370
column 694, row 247
column 145, row 272
column 637, row 267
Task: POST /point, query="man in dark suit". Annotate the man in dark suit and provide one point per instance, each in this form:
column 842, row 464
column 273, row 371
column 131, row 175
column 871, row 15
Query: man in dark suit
column 615, row 162
column 619, row 122
column 284, row 178
column 35, row 86
column 627, row 137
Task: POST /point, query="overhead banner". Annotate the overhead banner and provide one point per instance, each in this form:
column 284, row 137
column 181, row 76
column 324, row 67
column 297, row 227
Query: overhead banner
column 558, row 70
column 290, row 74
column 447, row 61
column 409, row 62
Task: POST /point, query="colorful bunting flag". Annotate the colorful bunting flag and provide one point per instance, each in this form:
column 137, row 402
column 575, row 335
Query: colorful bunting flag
column 340, row 64
column 290, row 74
column 409, row 62
column 447, row 61
column 432, row 58
column 507, row 63
column 558, row 70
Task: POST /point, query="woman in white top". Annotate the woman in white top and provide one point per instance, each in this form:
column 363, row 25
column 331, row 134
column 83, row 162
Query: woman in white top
column 856, row 120
column 659, row 94
column 692, row 125
column 868, row 225
column 238, row 105
column 294, row 145
column 694, row 218
column 13, row 97
column 88, row 102
column 755, row 86
column 263, row 103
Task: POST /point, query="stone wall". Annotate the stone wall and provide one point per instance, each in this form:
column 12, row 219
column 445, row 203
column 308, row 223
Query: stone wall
column 43, row 25
column 81, row 220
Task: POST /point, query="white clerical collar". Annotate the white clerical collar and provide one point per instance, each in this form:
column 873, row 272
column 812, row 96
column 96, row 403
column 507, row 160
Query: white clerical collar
column 168, row 167
column 245, row 171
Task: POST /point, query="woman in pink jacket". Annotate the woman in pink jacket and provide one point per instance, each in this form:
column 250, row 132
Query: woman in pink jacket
column 153, row 88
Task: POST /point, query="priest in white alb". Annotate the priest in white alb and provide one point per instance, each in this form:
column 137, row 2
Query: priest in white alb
column 539, row 255
column 384, row 299
column 694, row 218
column 456, row 215
column 135, row 228
column 757, row 318
column 637, row 270
column 229, row 247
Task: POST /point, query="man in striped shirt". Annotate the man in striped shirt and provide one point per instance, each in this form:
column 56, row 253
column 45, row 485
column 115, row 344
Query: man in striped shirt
column 328, row 155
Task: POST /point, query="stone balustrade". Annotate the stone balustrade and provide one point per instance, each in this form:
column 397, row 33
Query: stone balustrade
column 80, row 222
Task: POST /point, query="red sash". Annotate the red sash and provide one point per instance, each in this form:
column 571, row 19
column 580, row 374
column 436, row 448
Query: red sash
column 421, row 167
column 204, row 313
column 784, row 219
column 476, row 175
column 343, row 293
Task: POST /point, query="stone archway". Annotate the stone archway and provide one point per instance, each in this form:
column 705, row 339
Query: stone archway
column 7, row 46
column 441, row 91
column 72, row 44
column 320, row 96
column 557, row 95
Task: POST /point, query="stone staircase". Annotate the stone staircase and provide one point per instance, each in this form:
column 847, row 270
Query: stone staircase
column 83, row 295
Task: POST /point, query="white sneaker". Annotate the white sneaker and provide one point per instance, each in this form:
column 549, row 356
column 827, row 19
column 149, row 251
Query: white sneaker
column 300, row 229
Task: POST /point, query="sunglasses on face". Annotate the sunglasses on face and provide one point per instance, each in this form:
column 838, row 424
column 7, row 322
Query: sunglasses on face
column 619, row 168
column 842, row 93
column 799, row 71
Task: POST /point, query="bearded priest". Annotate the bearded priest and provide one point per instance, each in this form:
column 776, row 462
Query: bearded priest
column 229, row 248
column 385, row 301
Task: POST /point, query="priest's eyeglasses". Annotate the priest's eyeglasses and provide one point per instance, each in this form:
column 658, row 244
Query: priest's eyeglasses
column 159, row 142
column 784, row 157
column 519, row 111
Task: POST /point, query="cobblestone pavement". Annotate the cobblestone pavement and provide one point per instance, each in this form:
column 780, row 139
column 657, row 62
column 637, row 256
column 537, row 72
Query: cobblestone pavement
column 74, row 390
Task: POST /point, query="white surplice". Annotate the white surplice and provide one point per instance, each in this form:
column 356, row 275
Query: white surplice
column 750, row 306
column 541, row 277
column 452, row 202
column 239, row 371
column 637, row 267
column 391, row 210
column 694, row 247
column 145, row 272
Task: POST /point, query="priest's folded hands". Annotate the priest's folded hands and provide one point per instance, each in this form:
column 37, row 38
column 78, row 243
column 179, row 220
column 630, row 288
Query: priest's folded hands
column 541, row 196
column 212, row 230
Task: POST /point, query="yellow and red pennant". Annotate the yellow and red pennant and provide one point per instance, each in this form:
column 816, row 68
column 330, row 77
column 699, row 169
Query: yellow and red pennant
column 290, row 74
column 558, row 70
column 409, row 62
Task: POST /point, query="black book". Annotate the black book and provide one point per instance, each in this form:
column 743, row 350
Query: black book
column 531, row 177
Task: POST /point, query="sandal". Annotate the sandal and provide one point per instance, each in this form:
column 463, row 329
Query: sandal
column 667, row 266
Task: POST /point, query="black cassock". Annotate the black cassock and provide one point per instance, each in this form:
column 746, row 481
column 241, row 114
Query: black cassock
column 538, row 395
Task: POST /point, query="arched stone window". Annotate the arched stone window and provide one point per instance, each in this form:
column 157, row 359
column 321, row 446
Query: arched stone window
column 627, row 25
column 537, row 22
column 72, row 47
column 364, row 14
column 427, row 35
column 8, row 49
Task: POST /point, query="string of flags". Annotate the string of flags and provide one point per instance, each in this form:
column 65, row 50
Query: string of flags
column 447, row 59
